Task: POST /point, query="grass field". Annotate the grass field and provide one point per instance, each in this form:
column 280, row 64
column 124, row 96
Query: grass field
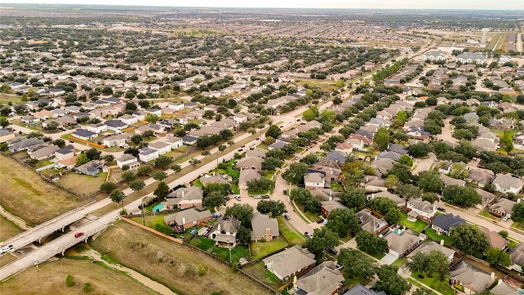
column 6, row 259
column 263, row 248
column 289, row 234
column 83, row 184
column 416, row 226
column 7, row 98
column 437, row 284
column 27, row 196
column 259, row 271
column 222, row 253
column 178, row 267
column 49, row 278
column 8, row 229
column 434, row 236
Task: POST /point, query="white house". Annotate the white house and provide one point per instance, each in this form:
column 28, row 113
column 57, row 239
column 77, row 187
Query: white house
column 175, row 142
column 161, row 147
column 128, row 160
column 128, row 119
column 314, row 181
column 97, row 128
column 147, row 154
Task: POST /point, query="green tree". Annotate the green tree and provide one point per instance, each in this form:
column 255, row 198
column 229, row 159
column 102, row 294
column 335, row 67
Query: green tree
column 163, row 162
column 295, row 173
column 276, row 208
column 273, row 131
column 430, row 181
column 469, row 239
column 419, row 150
column 262, row 185
column 390, row 281
column 431, row 263
column 70, row 281
column 81, row 159
column 214, row 199
column 118, row 197
column 162, row 190
column 308, row 115
column 506, row 140
column 356, row 264
column 160, row 175
column 409, row 191
column 137, row 185
column 322, row 240
column 458, row 171
column 353, row 198
column 497, row 257
column 128, row 176
column 518, row 212
column 107, row 187
column 381, row 139
column 461, row 196
column 406, row 160
column 270, row 163
column 242, row 213
column 144, row 170
column 371, row 244
column 343, row 221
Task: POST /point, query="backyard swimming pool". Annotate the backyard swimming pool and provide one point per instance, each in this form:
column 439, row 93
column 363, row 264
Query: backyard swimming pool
column 158, row 207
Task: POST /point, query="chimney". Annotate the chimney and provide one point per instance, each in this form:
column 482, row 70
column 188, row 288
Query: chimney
column 268, row 234
column 442, row 242
column 492, row 276
column 183, row 220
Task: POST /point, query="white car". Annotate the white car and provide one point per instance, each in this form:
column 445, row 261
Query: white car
column 6, row 249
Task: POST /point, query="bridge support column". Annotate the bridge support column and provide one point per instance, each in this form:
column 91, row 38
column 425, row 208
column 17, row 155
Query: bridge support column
column 63, row 252
column 62, row 229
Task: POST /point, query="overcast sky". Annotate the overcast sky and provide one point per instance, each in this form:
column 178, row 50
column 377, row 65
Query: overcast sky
column 414, row 4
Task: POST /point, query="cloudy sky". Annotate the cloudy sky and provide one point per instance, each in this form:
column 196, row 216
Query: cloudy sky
column 415, row 4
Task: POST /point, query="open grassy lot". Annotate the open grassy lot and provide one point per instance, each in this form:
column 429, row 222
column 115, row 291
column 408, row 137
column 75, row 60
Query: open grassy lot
column 8, row 229
column 27, row 196
column 7, row 98
column 263, row 248
column 83, row 184
column 434, row 236
column 6, row 259
column 224, row 254
column 178, row 267
column 49, row 278
column 436, row 283
column 259, row 271
column 416, row 226
column 291, row 236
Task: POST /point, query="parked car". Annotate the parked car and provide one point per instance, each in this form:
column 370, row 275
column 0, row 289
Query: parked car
column 441, row 209
column 339, row 266
column 216, row 215
column 287, row 217
column 505, row 218
column 265, row 197
column 237, row 197
column 6, row 249
column 320, row 220
column 333, row 251
column 257, row 197
column 79, row 234
column 308, row 235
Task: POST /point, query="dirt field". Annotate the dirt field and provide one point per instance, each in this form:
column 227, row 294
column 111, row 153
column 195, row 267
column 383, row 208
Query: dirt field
column 49, row 278
column 27, row 196
column 179, row 267
column 8, row 229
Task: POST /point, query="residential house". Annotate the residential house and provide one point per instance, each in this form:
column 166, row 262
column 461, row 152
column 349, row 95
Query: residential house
column 361, row 290
column 22, row 143
column 115, row 125
column 187, row 218
column 344, row 147
column 209, row 179
column 247, row 175
column 327, row 206
column 481, row 176
column 43, row 153
column 83, row 134
column 290, row 262
column 431, row 246
column 147, row 154
column 470, row 278
column 264, row 227
column 119, row 140
column 324, row 279
column 504, row 289
column 516, row 254
column 443, row 223
column 250, row 163
column 502, row 207
column 161, row 147
column 385, row 194
column 96, row 128
column 451, row 181
column 507, row 183
column 175, row 142
column 382, row 166
column 421, row 209
column 402, row 241
column 6, row 134
column 371, row 223
column 314, row 181
column 64, row 153
column 257, row 152
column 487, row 197
column 127, row 160
column 91, row 168
column 224, row 232
column 185, row 197
column 494, row 239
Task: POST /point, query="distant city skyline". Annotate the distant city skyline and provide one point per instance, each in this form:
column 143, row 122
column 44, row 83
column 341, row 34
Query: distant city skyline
column 366, row 4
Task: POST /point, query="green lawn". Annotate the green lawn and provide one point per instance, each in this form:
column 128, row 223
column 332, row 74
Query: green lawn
column 518, row 225
column 399, row 262
column 416, row 226
column 222, row 253
column 434, row 236
column 486, row 213
column 288, row 234
column 263, row 248
column 436, row 283
column 418, row 284
column 151, row 220
column 259, row 271
column 311, row 216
